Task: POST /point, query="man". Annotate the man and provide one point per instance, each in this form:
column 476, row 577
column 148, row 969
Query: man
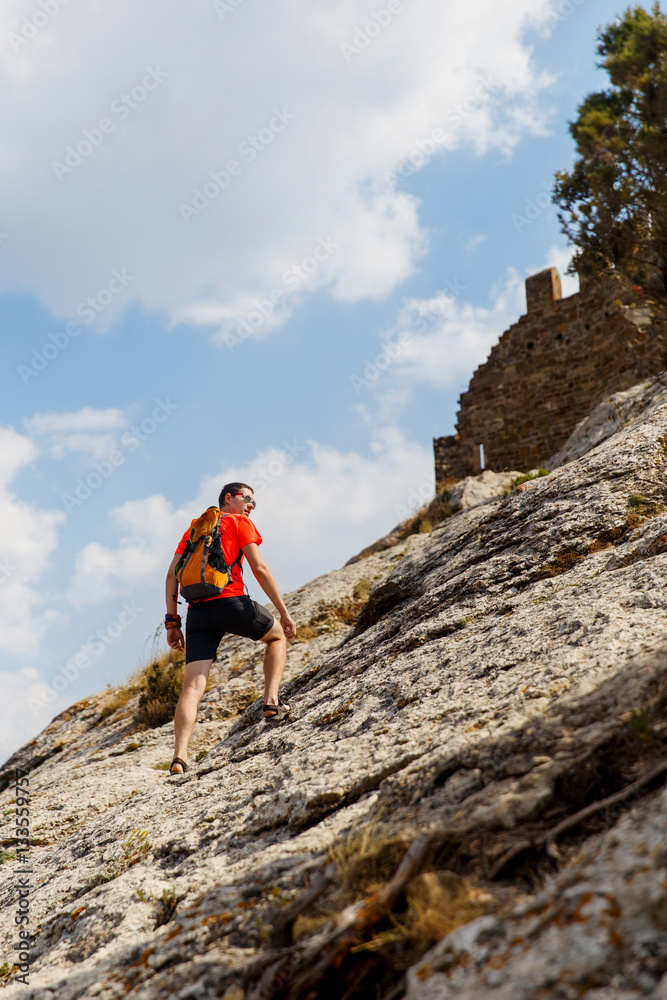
column 233, row 612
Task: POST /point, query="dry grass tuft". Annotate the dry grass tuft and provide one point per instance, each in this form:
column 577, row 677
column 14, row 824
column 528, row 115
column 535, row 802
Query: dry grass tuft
column 439, row 902
column 160, row 683
column 115, row 701
column 367, row 858
column 525, row 477
column 426, row 519
column 432, row 904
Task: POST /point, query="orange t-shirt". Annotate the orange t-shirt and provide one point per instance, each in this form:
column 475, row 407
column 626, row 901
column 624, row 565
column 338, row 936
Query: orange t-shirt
column 236, row 530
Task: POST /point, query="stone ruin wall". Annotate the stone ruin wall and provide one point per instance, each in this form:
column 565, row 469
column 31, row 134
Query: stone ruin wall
column 547, row 372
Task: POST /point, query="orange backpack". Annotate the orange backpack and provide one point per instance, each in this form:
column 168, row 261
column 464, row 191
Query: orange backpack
column 202, row 570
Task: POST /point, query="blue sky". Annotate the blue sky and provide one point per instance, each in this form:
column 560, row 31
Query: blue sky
column 395, row 255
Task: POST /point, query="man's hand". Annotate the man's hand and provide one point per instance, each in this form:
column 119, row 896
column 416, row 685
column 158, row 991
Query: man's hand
column 175, row 638
column 289, row 626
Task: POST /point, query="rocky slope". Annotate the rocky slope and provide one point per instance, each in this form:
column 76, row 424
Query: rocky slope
column 468, row 800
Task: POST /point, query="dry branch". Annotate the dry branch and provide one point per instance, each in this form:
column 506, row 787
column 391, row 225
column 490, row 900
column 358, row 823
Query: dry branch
column 548, row 840
column 331, row 945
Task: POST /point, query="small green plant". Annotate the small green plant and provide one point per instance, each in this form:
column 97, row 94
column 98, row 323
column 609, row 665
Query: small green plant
column 144, row 896
column 6, row 970
column 164, row 766
column 640, row 723
column 130, row 747
column 204, row 753
column 135, row 848
column 526, row 477
column 165, row 907
column 362, row 590
column 6, row 856
column 101, row 878
column 637, row 501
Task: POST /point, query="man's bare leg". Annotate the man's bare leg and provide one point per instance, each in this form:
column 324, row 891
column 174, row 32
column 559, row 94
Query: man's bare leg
column 275, row 655
column 196, row 676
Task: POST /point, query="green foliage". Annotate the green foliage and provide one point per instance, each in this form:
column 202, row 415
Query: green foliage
column 613, row 203
column 526, row 477
column 204, row 753
column 165, row 907
column 135, row 848
column 6, row 856
column 640, row 723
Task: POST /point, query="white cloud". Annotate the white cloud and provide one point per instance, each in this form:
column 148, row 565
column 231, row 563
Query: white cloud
column 441, row 340
column 560, row 257
column 28, row 537
column 85, row 430
column 17, row 687
column 474, row 242
column 85, row 419
column 316, row 507
column 218, row 88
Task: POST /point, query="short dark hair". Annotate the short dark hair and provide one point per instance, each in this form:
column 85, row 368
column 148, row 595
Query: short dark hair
column 231, row 488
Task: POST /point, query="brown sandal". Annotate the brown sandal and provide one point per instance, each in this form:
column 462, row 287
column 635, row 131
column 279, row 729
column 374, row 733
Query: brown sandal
column 177, row 760
column 280, row 712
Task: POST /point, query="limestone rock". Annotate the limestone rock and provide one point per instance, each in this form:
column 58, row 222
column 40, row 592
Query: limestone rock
column 481, row 684
column 474, row 490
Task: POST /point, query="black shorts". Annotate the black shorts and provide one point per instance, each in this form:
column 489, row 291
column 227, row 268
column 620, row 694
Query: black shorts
column 206, row 624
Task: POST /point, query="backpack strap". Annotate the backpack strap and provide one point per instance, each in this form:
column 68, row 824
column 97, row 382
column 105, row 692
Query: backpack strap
column 238, row 559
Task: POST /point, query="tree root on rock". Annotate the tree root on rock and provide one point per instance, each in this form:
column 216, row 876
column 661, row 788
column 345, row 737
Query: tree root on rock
column 293, row 972
column 547, row 841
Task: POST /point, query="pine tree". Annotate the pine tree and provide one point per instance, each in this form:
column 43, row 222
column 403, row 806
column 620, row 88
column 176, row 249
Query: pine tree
column 613, row 203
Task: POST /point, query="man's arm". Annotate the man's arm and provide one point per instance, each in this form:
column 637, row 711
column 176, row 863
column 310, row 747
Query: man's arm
column 174, row 635
column 267, row 582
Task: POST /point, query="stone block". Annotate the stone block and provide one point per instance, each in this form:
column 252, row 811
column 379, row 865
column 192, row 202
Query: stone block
column 542, row 290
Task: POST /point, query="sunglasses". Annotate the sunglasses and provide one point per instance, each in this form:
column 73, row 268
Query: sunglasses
column 247, row 499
